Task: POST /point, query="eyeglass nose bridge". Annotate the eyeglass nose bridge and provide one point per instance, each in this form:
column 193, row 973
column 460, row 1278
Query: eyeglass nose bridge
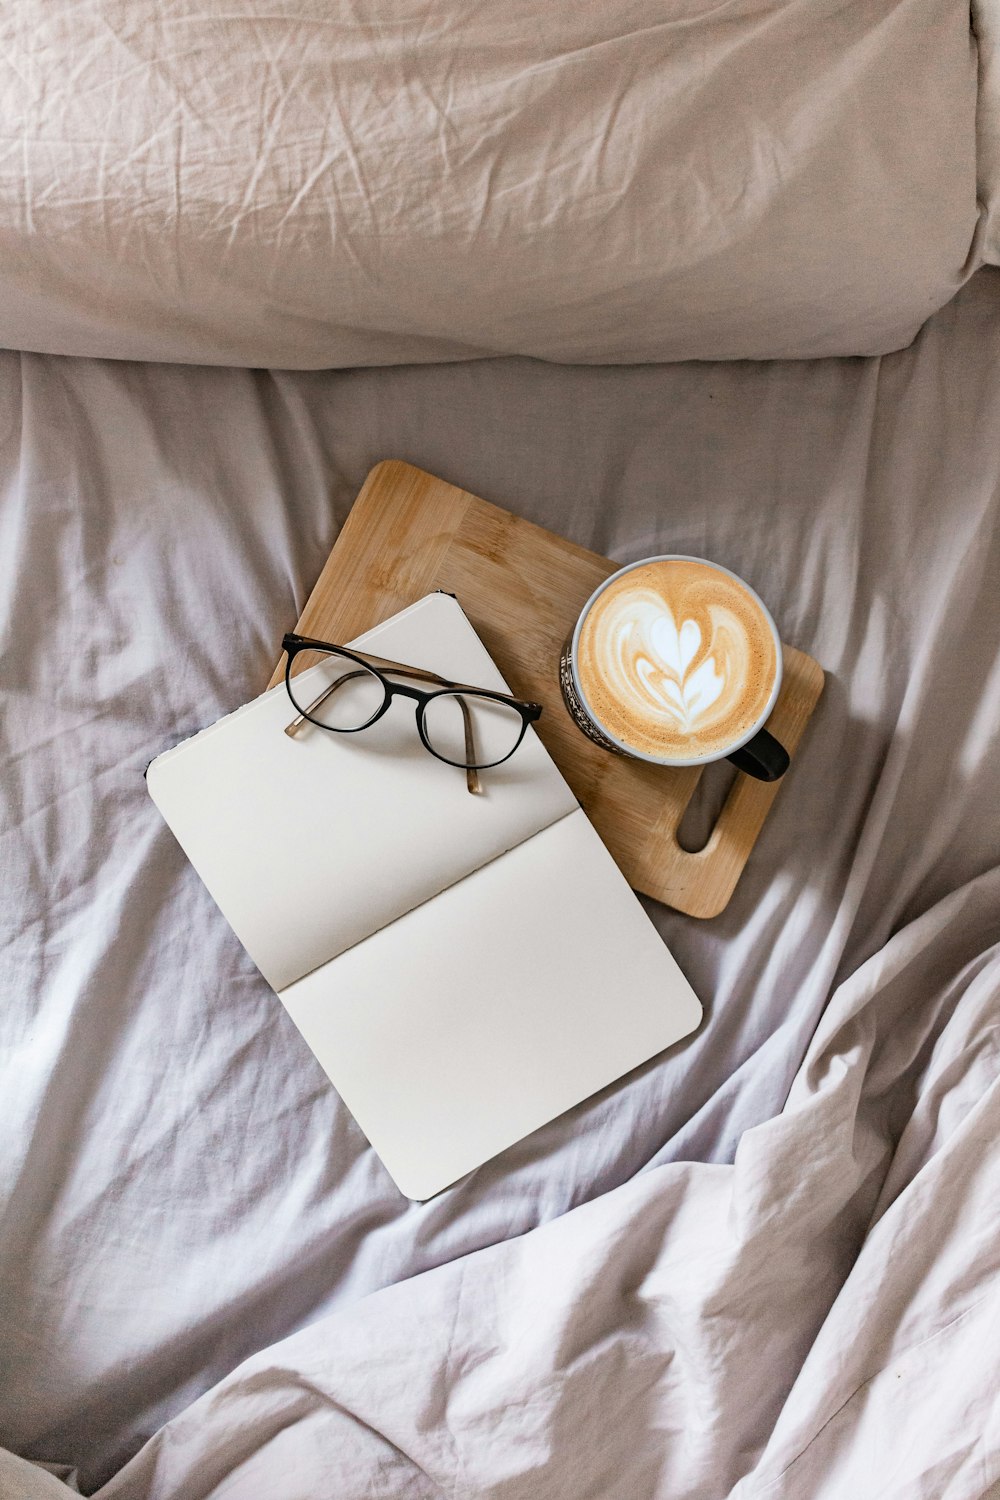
column 420, row 700
column 401, row 690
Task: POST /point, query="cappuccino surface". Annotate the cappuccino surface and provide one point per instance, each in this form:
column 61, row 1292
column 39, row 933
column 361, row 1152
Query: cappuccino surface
column 676, row 659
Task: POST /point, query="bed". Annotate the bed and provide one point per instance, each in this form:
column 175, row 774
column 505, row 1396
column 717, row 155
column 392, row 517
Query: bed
column 765, row 1264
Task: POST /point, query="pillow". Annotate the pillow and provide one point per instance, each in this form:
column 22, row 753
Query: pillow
column 986, row 25
column 310, row 183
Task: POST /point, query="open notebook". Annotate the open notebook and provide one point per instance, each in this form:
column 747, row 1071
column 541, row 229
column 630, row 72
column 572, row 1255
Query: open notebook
column 465, row 968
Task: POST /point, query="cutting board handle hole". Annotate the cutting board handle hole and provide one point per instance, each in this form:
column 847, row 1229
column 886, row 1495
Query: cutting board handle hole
column 707, row 802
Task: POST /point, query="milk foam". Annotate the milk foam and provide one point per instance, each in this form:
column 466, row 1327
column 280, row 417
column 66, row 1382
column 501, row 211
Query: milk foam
column 676, row 659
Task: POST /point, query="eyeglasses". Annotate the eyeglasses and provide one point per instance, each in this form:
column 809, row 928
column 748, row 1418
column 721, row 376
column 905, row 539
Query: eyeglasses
column 469, row 727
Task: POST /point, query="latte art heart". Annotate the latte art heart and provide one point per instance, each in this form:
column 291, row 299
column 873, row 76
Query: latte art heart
column 686, row 692
column 676, row 659
column 676, row 648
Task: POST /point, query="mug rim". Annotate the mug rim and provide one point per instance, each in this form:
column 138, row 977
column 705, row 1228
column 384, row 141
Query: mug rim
column 694, row 760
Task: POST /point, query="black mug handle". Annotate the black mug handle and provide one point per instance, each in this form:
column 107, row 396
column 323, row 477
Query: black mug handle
column 763, row 757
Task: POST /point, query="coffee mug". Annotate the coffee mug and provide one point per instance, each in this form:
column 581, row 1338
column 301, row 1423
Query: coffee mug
column 675, row 660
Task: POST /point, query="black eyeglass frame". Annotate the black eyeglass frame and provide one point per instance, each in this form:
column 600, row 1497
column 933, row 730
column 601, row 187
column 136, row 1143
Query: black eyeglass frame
column 378, row 666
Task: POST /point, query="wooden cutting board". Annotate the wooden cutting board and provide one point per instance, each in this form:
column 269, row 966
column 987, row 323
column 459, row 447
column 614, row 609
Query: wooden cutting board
column 523, row 588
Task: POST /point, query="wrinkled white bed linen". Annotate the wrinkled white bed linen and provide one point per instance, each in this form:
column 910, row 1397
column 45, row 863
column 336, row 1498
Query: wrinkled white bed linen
column 749, row 1296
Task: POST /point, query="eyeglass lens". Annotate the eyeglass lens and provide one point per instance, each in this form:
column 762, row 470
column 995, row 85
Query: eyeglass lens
column 335, row 691
column 482, row 736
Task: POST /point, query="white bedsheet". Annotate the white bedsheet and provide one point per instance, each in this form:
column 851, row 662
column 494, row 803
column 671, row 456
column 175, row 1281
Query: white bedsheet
column 749, row 1288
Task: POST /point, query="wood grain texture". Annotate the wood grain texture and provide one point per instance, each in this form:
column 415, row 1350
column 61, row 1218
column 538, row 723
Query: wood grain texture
column 522, row 588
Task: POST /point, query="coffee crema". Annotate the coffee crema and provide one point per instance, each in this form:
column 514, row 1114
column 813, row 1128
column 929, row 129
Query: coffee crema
column 676, row 659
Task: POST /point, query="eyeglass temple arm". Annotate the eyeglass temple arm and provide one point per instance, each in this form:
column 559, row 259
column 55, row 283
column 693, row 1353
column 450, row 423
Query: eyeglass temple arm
column 471, row 774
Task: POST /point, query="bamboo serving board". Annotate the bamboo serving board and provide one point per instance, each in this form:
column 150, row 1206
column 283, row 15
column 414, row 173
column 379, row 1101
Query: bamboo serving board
column 522, row 588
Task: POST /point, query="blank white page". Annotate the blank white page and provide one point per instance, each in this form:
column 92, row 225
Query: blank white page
column 310, row 844
column 477, row 1017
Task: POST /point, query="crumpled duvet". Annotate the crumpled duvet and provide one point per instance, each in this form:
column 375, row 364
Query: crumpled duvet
column 765, row 1263
column 819, row 1319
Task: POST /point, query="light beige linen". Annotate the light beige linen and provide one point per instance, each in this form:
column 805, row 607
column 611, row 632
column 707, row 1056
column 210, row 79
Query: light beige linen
column 772, row 1264
column 20, row 1480
column 818, row 1321
column 986, row 26
column 308, row 183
